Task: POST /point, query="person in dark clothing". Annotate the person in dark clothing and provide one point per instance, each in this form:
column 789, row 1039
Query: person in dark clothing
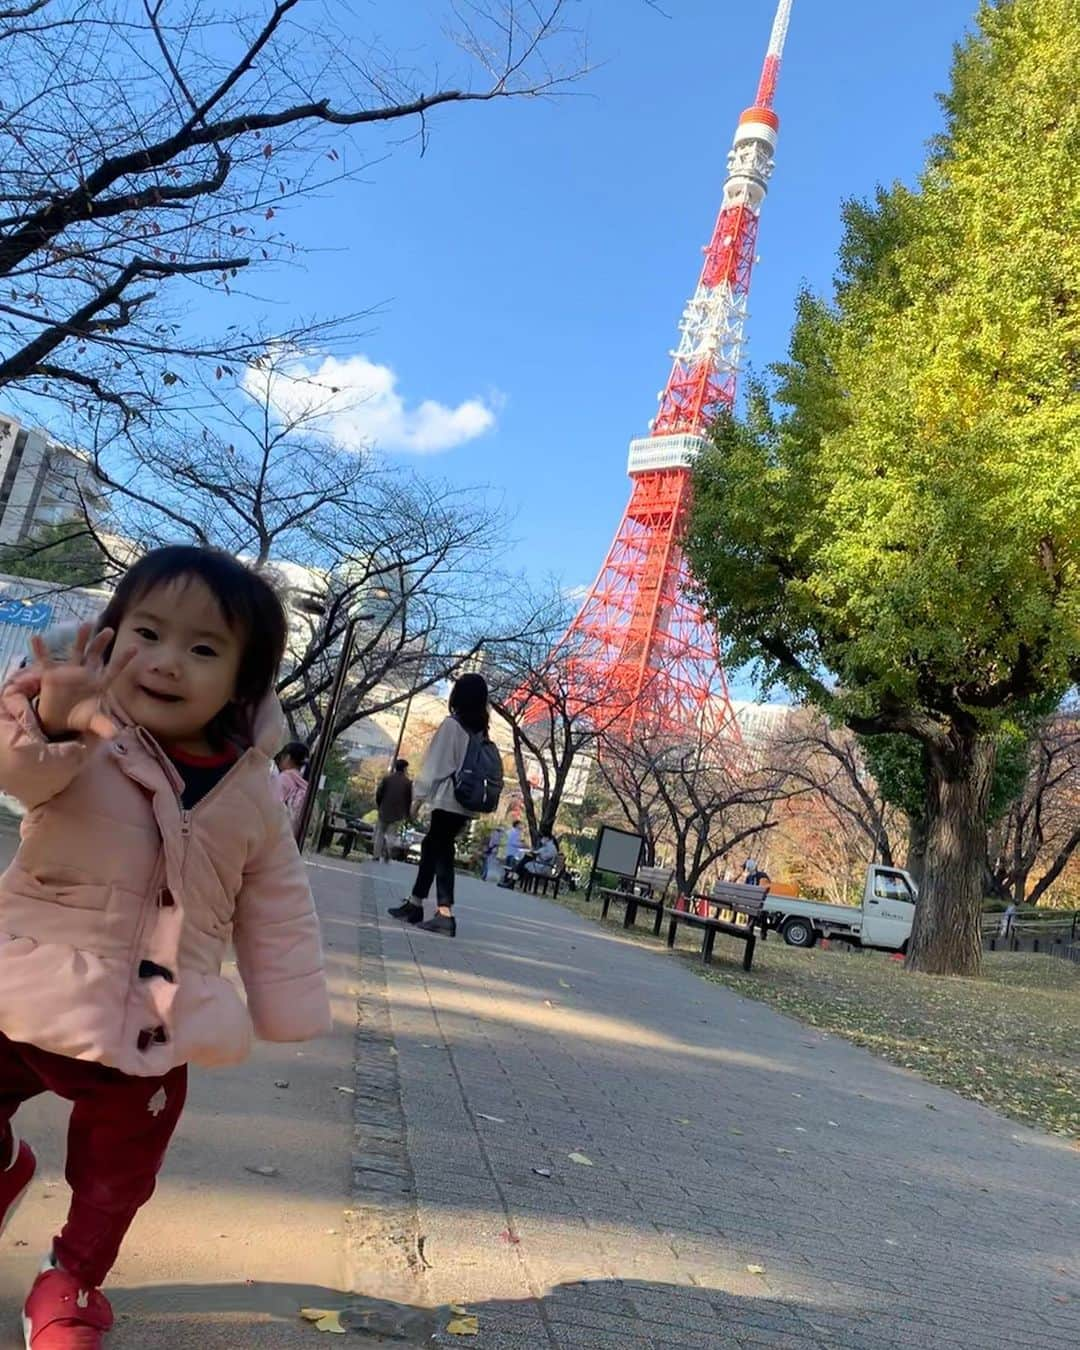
column 393, row 797
column 468, row 714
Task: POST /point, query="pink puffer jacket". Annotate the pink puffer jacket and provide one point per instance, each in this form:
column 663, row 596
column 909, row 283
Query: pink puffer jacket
column 112, row 872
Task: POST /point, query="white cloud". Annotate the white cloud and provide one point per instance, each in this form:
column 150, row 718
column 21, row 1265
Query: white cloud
column 359, row 406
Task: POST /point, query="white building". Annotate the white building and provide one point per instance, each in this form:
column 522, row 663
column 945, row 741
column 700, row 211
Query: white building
column 760, row 723
column 42, row 482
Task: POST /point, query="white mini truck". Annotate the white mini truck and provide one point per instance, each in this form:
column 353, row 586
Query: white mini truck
column 882, row 922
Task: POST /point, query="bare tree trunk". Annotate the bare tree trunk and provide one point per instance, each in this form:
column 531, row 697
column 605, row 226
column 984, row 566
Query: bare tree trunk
column 945, row 939
column 1055, row 869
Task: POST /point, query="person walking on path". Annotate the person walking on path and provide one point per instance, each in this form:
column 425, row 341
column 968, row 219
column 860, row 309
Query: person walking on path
column 153, row 834
column 289, row 782
column 491, row 852
column 434, row 786
column 515, row 851
column 393, row 800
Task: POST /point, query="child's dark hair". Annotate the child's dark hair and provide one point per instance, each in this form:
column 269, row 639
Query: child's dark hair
column 249, row 604
column 469, row 702
column 297, row 751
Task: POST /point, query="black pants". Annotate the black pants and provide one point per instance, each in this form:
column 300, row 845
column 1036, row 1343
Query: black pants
column 437, row 857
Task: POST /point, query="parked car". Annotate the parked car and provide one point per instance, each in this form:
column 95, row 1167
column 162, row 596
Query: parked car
column 882, row 921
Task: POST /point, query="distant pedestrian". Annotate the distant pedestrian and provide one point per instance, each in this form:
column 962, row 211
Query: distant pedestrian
column 491, row 852
column 1008, row 919
column 515, row 851
column 393, row 798
column 468, row 715
column 155, row 842
column 753, row 875
column 289, row 782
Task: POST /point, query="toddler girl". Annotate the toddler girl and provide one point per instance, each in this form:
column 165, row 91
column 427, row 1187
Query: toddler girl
column 153, row 835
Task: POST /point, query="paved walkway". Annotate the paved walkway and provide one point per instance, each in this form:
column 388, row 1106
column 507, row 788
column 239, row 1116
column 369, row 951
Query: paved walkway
column 738, row 1180
column 751, row 1183
column 223, row 1258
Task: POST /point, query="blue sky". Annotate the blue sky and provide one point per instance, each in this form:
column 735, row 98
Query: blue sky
column 533, row 264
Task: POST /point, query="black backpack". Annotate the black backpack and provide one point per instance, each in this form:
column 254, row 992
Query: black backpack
column 478, row 783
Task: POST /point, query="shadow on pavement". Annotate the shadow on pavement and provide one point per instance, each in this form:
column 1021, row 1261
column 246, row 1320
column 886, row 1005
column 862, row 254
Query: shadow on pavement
column 648, row 1316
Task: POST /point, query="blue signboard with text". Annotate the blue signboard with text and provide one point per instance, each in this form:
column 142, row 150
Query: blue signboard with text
column 22, row 614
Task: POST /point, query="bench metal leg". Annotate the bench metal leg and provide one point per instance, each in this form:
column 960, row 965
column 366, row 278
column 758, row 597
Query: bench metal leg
column 707, row 945
column 658, row 924
column 748, row 954
column 672, row 928
column 630, row 917
column 605, row 907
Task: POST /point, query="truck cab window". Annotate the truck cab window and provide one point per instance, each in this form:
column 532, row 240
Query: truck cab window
column 892, row 886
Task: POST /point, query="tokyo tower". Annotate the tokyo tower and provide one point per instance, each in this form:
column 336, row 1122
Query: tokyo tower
column 639, row 653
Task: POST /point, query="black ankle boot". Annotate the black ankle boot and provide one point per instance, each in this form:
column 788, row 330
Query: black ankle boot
column 445, row 924
column 408, row 910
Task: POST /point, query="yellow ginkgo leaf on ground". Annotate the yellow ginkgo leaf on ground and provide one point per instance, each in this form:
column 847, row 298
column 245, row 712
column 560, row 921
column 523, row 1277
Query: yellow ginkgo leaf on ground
column 324, row 1319
column 465, row 1324
column 580, row 1159
column 756, row 1270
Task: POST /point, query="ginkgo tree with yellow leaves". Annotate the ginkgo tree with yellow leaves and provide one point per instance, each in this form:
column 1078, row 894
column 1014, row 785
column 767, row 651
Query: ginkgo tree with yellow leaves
column 893, row 528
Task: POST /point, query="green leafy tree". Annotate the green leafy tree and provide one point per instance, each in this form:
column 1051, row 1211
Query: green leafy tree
column 895, row 532
column 67, row 554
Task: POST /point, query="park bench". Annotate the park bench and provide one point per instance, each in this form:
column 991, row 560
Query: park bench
column 645, row 890
column 709, row 927
column 348, row 829
column 531, row 882
column 735, row 898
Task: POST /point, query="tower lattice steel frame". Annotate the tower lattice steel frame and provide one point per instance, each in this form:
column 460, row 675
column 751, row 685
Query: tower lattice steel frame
column 640, row 650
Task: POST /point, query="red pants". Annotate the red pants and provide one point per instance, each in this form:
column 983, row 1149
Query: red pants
column 119, row 1131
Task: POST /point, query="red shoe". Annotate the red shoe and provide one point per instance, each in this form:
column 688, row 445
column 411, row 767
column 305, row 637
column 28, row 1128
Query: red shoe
column 60, row 1316
column 15, row 1178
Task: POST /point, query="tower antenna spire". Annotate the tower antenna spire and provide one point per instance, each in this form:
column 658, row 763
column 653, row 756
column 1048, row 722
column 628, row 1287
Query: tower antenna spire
column 640, row 652
column 770, row 73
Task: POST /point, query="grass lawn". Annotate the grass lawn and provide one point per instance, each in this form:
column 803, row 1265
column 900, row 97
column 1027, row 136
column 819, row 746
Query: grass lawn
column 1010, row 1039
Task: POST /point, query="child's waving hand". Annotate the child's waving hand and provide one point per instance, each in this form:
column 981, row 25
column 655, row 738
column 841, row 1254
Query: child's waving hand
column 71, row 692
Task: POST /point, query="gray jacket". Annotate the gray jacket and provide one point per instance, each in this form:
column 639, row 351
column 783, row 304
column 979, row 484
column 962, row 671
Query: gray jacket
column 445, row 754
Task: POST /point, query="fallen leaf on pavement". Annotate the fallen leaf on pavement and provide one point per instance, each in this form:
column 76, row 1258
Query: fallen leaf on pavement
column 680, row 1120
column 495, row 1120
column 463, row 1322
column 281, row 1083
column 786, row 1152
column 734, row 1130
column 508, row 1235
column 756, row 1270
column 348, row 1091
column 263, row 1171
column 564, row 984
column 324, row 1320
column 542, row 1171
column 580, row 1159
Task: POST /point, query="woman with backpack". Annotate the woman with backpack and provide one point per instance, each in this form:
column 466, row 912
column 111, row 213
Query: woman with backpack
column 458, row 782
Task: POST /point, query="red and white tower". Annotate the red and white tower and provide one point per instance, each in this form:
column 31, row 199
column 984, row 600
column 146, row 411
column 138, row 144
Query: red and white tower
column 639, row 649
